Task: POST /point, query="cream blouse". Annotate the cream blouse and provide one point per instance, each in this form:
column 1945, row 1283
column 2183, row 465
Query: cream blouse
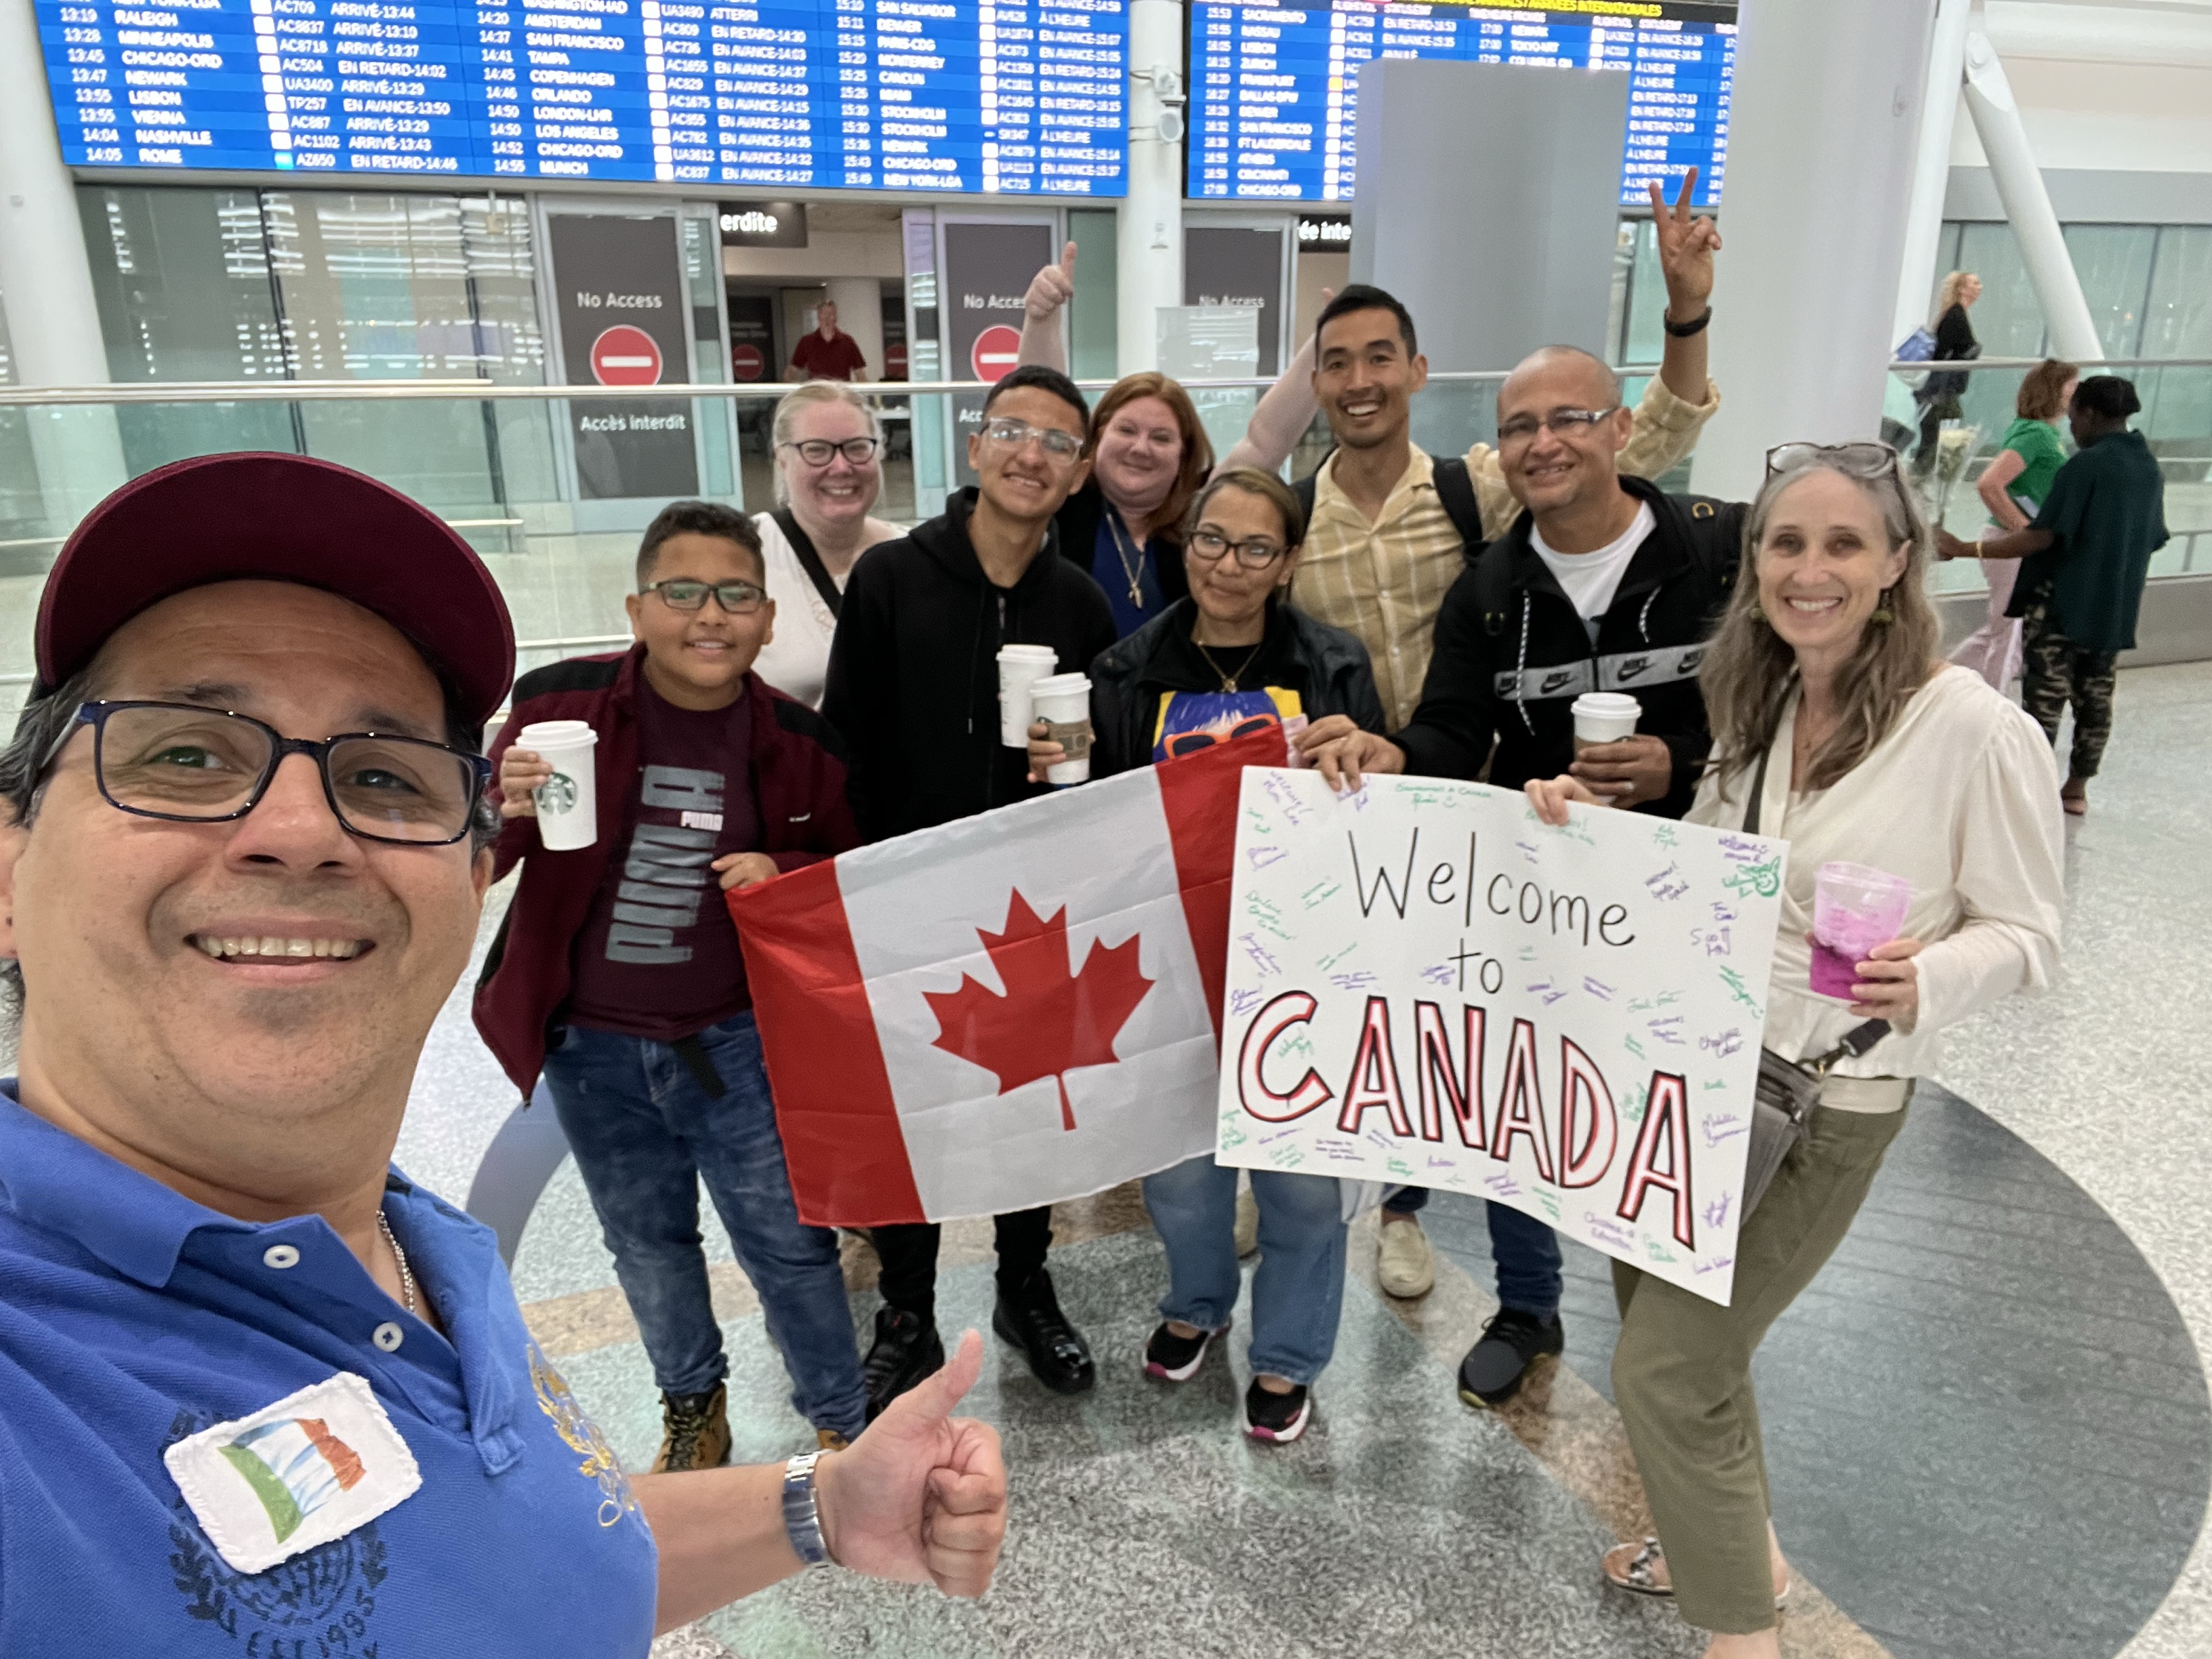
column 1961, row 799
column 796, row 659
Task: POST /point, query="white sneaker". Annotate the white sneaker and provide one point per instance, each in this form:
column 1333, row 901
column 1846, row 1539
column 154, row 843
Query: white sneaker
column 1404, row 1260
column 1248, row 1223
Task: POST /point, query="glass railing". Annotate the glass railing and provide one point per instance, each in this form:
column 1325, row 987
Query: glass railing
column 497, row 463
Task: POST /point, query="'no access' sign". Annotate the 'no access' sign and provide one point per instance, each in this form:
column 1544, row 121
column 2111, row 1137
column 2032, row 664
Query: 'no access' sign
column 624, row 355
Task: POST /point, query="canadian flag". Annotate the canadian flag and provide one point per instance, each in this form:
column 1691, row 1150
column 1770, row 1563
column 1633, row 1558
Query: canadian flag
column 1004, row 1012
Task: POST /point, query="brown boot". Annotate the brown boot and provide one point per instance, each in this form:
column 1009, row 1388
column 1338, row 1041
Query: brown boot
column 696, row 1431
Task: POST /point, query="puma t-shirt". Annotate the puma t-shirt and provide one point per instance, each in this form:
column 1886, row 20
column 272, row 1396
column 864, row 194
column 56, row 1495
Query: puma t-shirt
column 657, row 955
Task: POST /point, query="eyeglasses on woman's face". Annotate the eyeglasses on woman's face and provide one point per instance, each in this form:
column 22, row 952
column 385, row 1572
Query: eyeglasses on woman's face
column 820, row 451
column 1253, row 553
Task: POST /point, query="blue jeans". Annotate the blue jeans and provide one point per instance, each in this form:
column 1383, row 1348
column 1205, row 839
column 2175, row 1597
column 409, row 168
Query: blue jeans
column 1530, row 1274
column 1298, row 1290
column 645, row 1130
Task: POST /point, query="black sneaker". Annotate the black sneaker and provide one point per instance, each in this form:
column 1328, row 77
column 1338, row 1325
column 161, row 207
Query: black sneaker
column 1175, row 1358
column 1032, row 1320
column 1280, row 1417
column 1511, row 1342
column 907, row 1349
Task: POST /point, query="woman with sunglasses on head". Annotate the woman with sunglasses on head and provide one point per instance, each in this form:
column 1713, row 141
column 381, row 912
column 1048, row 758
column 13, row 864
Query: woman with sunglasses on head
column 1836, row 729
column 1233, row 656
column 828, row 472
column 1148, row 456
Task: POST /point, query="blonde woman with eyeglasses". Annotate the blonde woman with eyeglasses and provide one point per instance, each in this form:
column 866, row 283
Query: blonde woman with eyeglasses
column 1835, row 728
column 829, row 475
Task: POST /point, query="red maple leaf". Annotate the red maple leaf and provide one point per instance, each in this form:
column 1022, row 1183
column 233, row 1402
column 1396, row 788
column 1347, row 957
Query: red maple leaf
column 1049, row 1021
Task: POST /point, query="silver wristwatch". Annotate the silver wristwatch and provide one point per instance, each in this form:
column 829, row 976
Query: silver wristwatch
column 802, row 1517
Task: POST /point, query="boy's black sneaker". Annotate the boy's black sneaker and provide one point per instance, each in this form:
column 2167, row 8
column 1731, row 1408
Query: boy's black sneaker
column 1032, row 1320
column 1511, row 1342
column 1175, row 1358
column 907, row 1349
column 1280, row 1417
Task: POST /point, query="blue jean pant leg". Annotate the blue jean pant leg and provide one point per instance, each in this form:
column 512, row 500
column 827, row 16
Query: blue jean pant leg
column 1297, row 1289
column 1530, row 1275
column 1406, row 1200
column 645, row 1188
column 794, row 1268
column 1194, row 1208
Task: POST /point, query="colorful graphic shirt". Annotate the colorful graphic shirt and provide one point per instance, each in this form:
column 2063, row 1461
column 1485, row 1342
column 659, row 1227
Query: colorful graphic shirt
column 222, row 1440
column 657, row 957
column 1188, row 721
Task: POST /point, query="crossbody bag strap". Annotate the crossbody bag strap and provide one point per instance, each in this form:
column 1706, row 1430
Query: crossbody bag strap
column 809, row 560
column 1860, row 1038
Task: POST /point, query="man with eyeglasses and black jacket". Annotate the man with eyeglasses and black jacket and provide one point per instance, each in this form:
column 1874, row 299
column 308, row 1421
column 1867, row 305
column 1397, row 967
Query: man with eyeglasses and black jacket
column 914, row 689
column 1606, row 583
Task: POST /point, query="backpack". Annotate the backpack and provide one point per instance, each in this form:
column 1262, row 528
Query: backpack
column 1454, row 494
column 1917, row 347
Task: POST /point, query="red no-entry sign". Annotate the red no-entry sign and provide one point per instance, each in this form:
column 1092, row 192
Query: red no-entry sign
column 993, row 356
column 623, row 356
column 746, row 361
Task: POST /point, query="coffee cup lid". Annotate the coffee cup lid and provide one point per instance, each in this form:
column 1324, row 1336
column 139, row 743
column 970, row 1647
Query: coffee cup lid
column 556, row 733
column 1028, row 653
column 1060, row 685
column 1605, row 703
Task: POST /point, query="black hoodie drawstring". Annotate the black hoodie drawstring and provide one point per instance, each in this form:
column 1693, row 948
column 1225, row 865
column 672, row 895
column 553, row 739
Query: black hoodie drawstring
column 1521, row 669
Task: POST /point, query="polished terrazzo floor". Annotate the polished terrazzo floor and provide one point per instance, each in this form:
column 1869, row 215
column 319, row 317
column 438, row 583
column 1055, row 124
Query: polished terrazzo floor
column 1987, row 1424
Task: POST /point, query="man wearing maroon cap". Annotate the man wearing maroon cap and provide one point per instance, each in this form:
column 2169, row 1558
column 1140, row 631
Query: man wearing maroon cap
column 258, row 1392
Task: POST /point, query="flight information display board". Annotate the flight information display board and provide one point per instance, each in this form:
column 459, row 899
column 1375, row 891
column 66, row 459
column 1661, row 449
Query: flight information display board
column 1273, row 88
column 1022, row 98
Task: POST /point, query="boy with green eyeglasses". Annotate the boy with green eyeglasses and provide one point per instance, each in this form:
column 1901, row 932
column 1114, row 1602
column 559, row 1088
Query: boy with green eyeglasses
column 617, row 971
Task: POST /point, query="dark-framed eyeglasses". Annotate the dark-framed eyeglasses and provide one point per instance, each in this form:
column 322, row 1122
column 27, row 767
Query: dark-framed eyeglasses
column 820, row 451
column 1253, row 552
column 1861, row 460
column 686, row 593
column 1561, row 423
column 193, row 765
column 1011, row 433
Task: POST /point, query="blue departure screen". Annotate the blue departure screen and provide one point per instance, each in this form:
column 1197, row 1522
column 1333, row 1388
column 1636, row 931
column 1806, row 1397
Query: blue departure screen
column 1024, row 98
column 1272, row 89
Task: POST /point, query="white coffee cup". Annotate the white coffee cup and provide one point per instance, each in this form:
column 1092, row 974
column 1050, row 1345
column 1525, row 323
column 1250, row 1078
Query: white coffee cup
column 1020, row 666
column 1063, row 703
column 567, row 802
column 1604, row 717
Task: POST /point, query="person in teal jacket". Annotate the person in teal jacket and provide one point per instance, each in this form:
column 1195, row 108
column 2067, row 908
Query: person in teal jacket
column 2084, row 561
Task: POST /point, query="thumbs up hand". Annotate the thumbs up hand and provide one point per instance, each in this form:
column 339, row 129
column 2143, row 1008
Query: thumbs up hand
column 921, row 1497
column 1052, row 288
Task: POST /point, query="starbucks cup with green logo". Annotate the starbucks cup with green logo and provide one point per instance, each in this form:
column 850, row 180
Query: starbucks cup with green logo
column 567, row 804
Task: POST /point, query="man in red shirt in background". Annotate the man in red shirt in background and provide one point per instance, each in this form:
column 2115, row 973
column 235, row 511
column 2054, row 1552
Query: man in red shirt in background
column 825, row 354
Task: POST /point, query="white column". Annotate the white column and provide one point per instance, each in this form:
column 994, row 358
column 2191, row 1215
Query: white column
column 2020, row 186
column 1931, row 170
column 1820, row 157
column 1149, row 248
column 45, row 282
column 859, row 302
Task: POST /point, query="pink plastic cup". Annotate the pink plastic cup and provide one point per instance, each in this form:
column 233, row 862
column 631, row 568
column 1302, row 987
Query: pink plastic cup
column 1855, row 908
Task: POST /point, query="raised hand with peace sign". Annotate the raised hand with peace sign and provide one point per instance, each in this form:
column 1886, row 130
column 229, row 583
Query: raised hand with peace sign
column 1687, row 246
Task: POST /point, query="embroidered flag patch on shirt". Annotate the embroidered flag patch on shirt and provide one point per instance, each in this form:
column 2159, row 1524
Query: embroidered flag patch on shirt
column 298, row 1473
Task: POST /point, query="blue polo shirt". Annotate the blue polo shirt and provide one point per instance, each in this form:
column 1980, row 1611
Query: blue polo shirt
column 131, row 1318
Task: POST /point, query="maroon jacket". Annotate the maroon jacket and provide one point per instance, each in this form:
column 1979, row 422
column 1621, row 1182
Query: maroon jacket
column 798, row 775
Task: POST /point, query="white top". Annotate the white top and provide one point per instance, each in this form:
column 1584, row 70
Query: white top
column 1590, row 580
column 796, row 661
column 1961, row 799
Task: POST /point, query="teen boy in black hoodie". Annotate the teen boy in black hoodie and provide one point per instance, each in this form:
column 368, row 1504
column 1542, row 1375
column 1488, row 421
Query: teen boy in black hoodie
column 913, row 689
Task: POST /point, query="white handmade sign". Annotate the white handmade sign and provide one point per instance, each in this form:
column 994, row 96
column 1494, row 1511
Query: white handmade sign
column 1427, row 985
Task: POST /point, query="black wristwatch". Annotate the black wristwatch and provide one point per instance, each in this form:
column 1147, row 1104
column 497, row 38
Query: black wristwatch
column 1684, row 330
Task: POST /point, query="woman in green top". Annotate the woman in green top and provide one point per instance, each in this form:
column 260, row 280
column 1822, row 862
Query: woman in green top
column 2084, row 561
column 2012, row 488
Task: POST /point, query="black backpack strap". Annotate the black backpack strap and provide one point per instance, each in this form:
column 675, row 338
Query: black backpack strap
column 1493, row 586
column 1304, row 489
column 809, row 560
column 1714, row 530
column 1455, row 495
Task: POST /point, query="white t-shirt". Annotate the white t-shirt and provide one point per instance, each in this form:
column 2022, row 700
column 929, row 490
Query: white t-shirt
column 1590, row 580
column 796, row 661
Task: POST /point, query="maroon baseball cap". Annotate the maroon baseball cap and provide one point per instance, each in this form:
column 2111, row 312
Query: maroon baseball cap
column 287, row 519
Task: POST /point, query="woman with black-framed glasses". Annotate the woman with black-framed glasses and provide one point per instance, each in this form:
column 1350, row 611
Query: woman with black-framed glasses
column 1231, row 658
column 829, row 445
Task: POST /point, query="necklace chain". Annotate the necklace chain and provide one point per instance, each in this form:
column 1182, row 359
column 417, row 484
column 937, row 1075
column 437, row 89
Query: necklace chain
column 406, row 1273
column 1229, row 680
column 1131, row 556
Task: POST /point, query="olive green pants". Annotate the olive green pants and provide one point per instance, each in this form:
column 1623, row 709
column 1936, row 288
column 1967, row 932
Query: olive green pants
column 1681, row 1373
